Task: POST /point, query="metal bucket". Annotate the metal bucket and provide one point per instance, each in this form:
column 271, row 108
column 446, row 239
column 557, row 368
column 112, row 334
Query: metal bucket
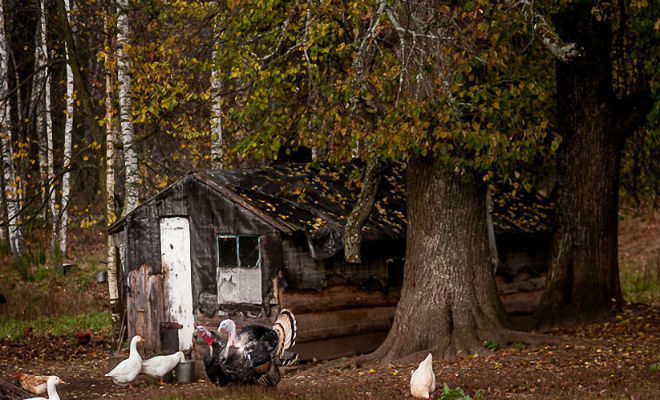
column 101, row 276
column 185, row 370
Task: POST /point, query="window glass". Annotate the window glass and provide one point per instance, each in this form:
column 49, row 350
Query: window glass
column 248, row 250
column 227, row 251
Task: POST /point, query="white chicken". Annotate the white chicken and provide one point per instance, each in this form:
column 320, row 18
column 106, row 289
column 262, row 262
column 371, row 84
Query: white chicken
column 422, row 381
column 124, row 373
column 50, row 387
column 157, row 367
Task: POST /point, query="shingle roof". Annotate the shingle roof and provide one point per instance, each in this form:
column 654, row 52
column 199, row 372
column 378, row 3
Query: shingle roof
column 316, row 200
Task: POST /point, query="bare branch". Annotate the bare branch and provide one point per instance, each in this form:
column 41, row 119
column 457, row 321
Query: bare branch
column 564, row 52
column 361, row 210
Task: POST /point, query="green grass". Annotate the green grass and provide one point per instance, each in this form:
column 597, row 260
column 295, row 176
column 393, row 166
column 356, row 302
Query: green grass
column 640, row 281
column 11, row 328
column 457, row 393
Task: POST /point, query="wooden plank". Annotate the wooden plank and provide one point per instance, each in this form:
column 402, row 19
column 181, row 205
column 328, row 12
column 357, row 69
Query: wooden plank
column 335, row 298
column 332, row 324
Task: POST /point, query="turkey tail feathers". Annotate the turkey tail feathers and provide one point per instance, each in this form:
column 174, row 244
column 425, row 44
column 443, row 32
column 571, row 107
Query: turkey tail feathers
column 285, row 326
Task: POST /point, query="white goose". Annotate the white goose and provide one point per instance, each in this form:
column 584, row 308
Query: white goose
column 124, row 373
column 157, row 367
column 422, row 381
column 52, row 391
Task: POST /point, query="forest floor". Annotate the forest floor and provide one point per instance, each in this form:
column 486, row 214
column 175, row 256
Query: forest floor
column 615, row 358
column 618, row 358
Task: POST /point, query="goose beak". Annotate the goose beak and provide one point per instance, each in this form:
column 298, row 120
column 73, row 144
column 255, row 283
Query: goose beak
column 141, row 340
column 62, row 381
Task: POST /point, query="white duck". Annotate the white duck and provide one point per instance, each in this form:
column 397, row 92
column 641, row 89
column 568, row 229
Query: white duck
column 422, row 381
column 50, row 386
column 157, row 367
column 124, row 373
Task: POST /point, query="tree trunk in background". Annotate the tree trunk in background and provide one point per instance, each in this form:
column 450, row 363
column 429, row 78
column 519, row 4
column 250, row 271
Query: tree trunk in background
column 50, row 167
column 131, row 191
column 37, row 109
column 110, row 216
column 66, row 162
column 449, row 303
column 10, row 189
column 583, row 280
column 216, row 108
column 361, row 211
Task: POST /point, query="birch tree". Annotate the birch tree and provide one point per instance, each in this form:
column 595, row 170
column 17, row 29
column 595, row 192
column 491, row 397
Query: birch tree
column 37, row 105
column 113, row 289
column 131, row 191
column 66, row 162
column 10, row 189
column 216, row 108
column 48, row 149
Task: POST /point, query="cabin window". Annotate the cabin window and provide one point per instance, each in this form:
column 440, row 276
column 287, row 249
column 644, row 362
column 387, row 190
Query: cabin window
column 238, row 251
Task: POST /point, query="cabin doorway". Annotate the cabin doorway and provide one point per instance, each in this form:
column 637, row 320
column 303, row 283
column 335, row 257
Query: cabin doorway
column 175, row 258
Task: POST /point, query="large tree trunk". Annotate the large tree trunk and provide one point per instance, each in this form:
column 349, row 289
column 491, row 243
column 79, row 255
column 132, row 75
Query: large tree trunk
column 10, row 190
column 449, row 303
column 583, row 279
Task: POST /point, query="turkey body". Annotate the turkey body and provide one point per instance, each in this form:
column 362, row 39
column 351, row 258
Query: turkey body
column 253, row 356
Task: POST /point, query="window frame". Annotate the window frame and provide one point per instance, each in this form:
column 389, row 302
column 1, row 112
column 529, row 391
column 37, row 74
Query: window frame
column 236, row 237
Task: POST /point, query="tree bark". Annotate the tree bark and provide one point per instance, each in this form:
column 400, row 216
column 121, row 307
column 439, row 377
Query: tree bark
column 10, row 190
column 449, row 303
column 216, row 107
column 113, row 288
column 66, row 162
column 131, row 191
column 361, row 211
column 583, row 279
column 48, row 149
column 37, row 110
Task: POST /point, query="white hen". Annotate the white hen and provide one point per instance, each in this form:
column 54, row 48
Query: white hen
column 124, row 373
column 52, row 391
column 157, row 367
column 422, row 381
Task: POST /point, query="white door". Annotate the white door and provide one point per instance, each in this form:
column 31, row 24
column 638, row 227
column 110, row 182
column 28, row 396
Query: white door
column 175, row 258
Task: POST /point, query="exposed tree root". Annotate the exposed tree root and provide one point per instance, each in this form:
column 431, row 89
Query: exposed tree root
column 386, row 354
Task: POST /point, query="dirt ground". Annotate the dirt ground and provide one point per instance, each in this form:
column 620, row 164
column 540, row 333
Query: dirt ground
column 614, row 359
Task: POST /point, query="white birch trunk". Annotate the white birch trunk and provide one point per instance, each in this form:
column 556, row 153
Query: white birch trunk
column 113, row 289
column 125, row 109
column 50, row 167
column 10, row 189
column 216, row 108
column 66, row 162
column 36, row 109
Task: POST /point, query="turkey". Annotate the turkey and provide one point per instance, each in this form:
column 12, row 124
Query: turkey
column 252, row 356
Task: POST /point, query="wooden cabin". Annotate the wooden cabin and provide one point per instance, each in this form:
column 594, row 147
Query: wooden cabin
column 247, row 242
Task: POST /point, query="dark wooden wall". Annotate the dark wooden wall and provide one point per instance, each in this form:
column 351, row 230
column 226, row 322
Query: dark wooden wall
column 301, row 271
